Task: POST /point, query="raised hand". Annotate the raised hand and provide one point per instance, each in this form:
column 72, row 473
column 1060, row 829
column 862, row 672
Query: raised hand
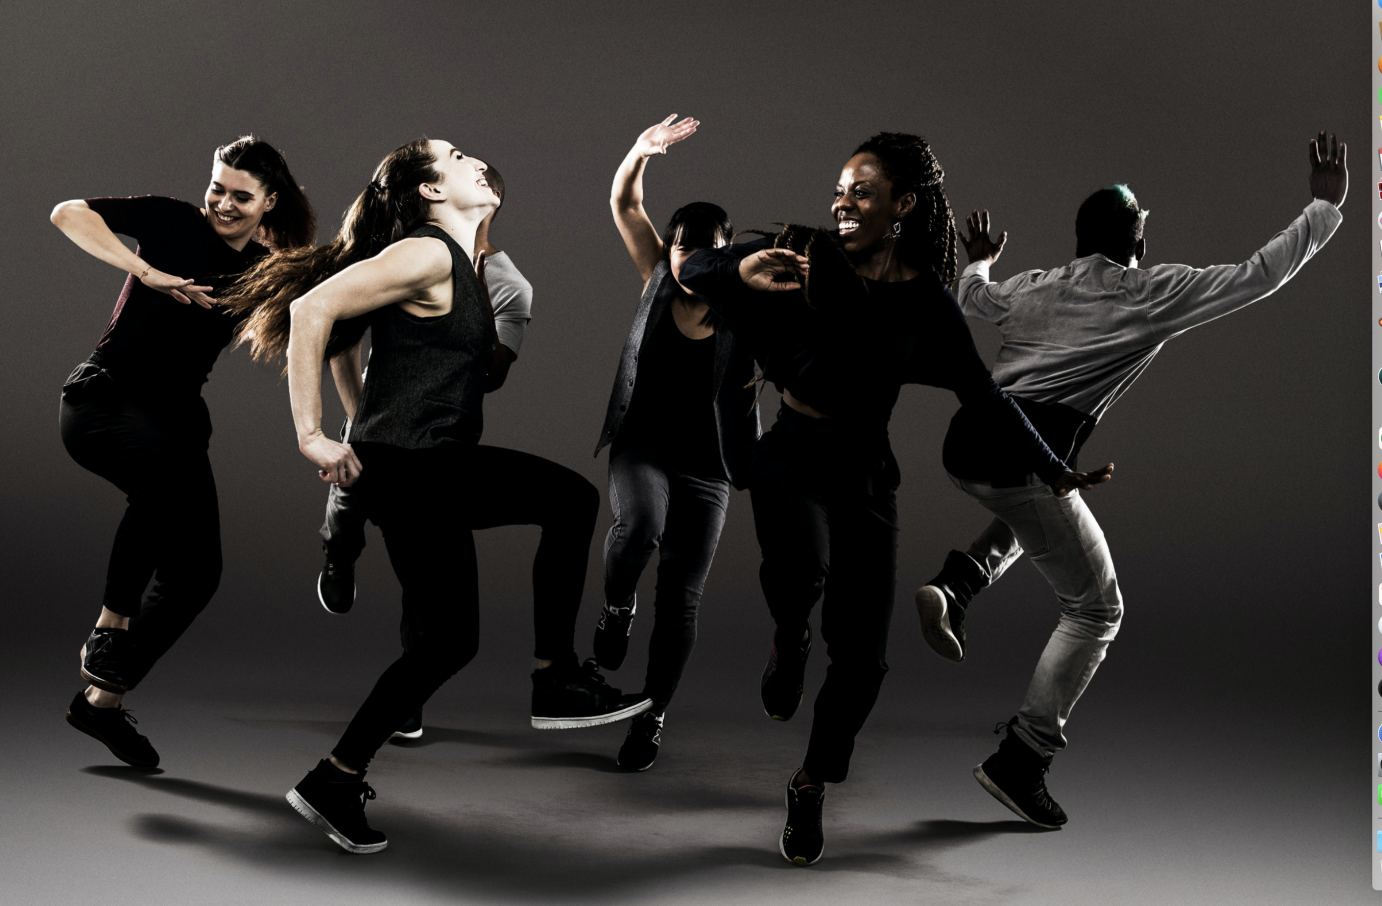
column 182, row 290
column 773, row 270
column 1081, row 481
column 979, row 246
column 1328, row 170
column 655, row 139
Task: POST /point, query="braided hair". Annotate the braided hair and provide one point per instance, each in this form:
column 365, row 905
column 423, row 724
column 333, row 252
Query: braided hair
column 928, row 238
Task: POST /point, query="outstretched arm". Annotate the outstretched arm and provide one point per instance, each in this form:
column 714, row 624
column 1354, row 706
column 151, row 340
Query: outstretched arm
column 626, row 195
column 404, row 271
column 91, row 234
column 1184, row 297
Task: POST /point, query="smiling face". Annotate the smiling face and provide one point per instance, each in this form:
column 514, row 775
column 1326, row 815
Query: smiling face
column 463, row 183
column 235, row 204
column 864, row 208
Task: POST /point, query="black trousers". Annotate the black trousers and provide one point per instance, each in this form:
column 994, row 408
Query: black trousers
column 418, row 498
column 680, row 516
column 506, row 487
column 156, row 453
column 825, row 510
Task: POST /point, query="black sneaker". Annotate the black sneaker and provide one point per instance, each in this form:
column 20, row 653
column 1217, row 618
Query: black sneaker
column 942, row 603
column 106, row 658
column 1015, row 775
column 335, row 802
column 781, row 687
column 411, row 729
column 612, row 634
column 114, row 728
column 566, row 697
column 942, row 621
column 336, row 586
column 639, row 750
column 803, row 839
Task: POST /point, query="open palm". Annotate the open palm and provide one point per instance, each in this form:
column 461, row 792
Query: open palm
column 655, row 139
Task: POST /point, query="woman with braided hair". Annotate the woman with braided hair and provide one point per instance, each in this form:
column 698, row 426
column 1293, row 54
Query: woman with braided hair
column 839, row 321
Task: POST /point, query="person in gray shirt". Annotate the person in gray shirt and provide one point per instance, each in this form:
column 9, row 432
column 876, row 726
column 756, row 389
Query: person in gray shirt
column 549, row 495
column 1073, row 341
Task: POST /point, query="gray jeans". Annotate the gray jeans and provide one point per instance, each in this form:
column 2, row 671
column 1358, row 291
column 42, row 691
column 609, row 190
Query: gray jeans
column 1068, row 548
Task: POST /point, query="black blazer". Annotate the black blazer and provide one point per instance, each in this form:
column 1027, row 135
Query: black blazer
column 736, row 409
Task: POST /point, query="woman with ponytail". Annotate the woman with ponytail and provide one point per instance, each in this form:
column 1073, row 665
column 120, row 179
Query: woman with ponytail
column 133, row 412
column 402, row 267
column 839, row 321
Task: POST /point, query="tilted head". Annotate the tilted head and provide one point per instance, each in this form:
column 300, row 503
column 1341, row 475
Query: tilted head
column 1110, row 223
column 698, row 225
column 251, row 188
column 891, row 191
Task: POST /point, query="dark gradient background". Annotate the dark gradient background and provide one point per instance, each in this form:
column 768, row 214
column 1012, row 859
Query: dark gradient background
column 1219, row 756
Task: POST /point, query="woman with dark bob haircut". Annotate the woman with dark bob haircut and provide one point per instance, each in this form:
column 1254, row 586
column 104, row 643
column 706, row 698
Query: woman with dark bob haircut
column 682, row 422
column 404, row 265
column 839, row 321
column 133, row 412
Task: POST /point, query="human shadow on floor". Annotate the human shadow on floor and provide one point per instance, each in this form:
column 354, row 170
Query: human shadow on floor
column 524, row 855
column 431, row 734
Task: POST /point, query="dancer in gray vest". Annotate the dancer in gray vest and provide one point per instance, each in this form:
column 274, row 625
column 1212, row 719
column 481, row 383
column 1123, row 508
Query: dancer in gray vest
column 1074, row 340
column 682, row 421
column 402, row 267
column 563, row 503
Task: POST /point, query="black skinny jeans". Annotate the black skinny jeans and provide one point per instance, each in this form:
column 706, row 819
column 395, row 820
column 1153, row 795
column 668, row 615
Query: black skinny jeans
column 680, row 516
column 156, row 453
column 507, row 487
column 825, row 510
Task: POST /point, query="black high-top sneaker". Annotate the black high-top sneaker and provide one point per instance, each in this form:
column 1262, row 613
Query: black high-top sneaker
column 334, row 801
column 803, row 838
column 1015, row 775
column 612, row 634
column 640, row 747
column 336, row 586
column 106, row 658
column 566, row 697
column 781, row 686
column 411, row 729
column 941, row 604
column 113, row 728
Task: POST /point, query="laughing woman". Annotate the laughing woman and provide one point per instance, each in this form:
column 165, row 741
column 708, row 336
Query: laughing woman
column 840, row 320
column 402, row 267
column 133, row 412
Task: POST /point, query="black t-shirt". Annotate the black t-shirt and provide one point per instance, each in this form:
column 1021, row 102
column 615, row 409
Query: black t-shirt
column 154, row 345
column 672, row 414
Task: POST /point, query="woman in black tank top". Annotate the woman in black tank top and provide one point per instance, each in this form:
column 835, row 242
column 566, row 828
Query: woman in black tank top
column 401, row 266
column 682, row 420
column 133, row 412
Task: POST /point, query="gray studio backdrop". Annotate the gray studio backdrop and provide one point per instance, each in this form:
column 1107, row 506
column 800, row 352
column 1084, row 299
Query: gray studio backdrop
column 1235, row 518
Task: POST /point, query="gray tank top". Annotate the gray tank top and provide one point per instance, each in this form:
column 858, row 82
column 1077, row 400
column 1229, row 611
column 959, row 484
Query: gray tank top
column 427, row 375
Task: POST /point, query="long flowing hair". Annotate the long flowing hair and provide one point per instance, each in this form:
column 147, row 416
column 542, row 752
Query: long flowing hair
column 387, row 210
column 928, row 238
column 292, row 223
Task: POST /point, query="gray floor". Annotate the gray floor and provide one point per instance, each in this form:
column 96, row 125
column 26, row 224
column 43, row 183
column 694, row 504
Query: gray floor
column 486, row 810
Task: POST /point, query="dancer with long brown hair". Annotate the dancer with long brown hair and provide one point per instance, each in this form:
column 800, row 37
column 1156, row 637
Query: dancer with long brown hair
column 133, row 413
column 402, row 266
column 839, row 321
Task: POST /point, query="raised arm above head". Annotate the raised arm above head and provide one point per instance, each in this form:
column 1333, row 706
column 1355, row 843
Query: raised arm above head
column 626, row 195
